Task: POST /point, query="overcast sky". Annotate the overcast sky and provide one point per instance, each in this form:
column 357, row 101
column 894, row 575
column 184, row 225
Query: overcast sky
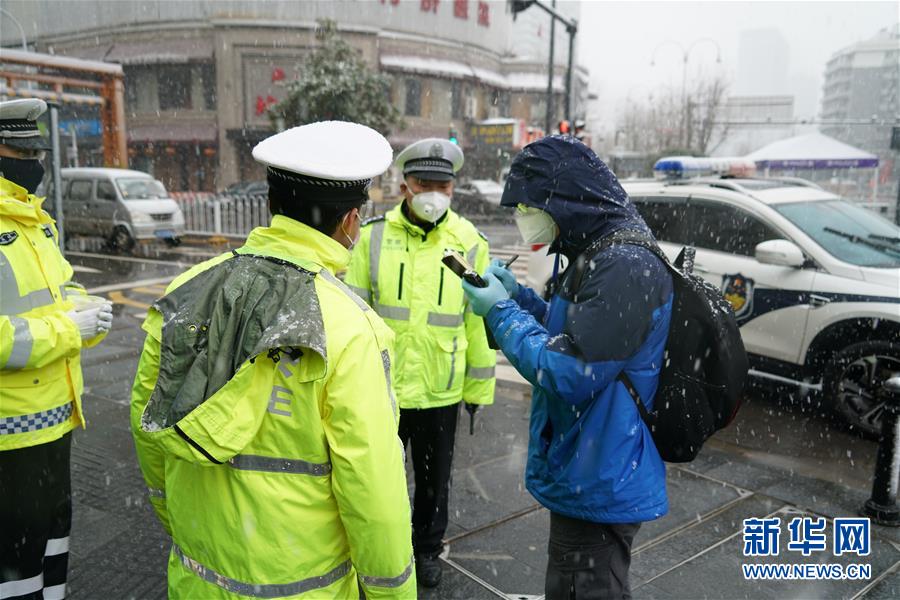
column 617, row 40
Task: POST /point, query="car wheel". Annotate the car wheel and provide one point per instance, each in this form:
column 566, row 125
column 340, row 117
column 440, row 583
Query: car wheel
column 853, row 380
column 121, row 240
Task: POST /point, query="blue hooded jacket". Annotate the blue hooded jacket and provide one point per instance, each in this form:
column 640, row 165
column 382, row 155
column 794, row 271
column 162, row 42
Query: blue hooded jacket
column 590, row 456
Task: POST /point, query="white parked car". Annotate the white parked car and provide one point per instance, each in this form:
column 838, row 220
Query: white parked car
column 121, row 205
column 814, row 280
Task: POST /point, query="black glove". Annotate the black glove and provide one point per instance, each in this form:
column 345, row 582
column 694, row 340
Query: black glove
column 471, row 409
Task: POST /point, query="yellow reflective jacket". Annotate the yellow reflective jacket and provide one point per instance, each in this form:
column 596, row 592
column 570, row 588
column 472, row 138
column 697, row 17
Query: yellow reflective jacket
column 40, row 347
column 310, row 496
column 442, row 350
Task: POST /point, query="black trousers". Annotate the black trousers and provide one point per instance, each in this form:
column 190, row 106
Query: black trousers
column 431, row 433
column 588, row 561
column 35, row 520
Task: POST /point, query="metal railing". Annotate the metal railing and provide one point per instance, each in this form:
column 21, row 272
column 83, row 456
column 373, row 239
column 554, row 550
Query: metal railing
column 218, row 214
column 206, row 213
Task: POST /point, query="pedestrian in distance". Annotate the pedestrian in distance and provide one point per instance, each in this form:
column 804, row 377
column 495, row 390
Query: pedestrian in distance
column 263, row 410
column 46, row 319
column 443, row 355
column 591, row 459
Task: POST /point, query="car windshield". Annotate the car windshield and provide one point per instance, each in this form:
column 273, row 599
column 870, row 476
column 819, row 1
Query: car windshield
column 141, row 188
column 850, row 233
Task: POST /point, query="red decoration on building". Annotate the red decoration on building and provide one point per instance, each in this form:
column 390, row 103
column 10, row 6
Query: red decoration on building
column 263, row 104
column 461, row 9
column 484, row 14
column 277, row 74
column 428, row 5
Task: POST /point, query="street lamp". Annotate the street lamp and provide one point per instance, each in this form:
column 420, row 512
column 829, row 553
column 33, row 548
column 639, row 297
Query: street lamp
column 17, row 24
column 685, row 55
column 571, row 25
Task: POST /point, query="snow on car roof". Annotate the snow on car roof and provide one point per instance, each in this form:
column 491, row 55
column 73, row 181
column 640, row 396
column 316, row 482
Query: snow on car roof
column 767, row 191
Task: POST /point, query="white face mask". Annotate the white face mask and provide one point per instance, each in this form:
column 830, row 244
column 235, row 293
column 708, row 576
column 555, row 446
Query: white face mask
column 536, row 226
column 353, row 241
column 430, row 206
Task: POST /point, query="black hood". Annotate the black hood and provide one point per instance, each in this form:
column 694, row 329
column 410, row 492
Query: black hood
column 562, row 176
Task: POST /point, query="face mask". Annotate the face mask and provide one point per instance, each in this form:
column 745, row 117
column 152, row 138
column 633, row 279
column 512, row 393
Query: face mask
column 21, row 171
column 352, row 241
column 536, row 226
column 430, row 206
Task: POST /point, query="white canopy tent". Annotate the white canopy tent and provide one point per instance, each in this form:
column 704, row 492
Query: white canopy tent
column 814, row 152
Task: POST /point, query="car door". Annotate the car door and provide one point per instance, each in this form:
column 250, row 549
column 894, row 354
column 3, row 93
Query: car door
column 105, row 207
column 76, row 205
column 770, row 301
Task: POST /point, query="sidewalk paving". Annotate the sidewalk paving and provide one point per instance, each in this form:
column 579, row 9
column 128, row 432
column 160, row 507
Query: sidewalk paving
column 498, row 533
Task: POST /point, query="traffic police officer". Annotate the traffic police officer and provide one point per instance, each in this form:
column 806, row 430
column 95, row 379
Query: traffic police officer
column 263, row 411
column 45, row 321
column 442, row 350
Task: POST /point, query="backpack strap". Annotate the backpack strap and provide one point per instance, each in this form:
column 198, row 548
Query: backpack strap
column 632, row 391
column 622, row 236
column 635, row 238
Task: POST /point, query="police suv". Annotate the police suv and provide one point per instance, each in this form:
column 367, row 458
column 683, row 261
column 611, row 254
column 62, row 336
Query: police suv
column 814, row 280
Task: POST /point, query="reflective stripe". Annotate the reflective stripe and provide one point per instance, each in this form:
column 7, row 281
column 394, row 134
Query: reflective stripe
column 21, row 346
column 480, row 372
column 386, row 363
column 389, row 582
column 473, row 253
column 344, row 288
column 21, row 587
column 363, row 294
column 397, row 313
column 57, row 546
column 36, row 421
column 156, row 492
column 452, row 365
column 444, row 320
column 11, row 303
column 262, row 590
column 374, row 257
column 55, row 592
column 252, row 462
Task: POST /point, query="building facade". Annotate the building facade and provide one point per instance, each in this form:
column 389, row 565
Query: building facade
column 200, row 76
column 861, row 102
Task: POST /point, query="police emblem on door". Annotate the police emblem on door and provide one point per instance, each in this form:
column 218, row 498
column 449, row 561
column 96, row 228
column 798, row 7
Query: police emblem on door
column 738, row 290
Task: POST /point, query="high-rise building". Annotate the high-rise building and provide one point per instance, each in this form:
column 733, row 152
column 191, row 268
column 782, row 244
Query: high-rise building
column 861, row 101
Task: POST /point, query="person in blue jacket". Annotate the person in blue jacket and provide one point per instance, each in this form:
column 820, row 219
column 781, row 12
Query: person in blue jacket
column 591, row 459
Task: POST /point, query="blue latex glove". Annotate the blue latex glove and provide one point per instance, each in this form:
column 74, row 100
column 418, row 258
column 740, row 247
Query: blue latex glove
column 483, row 299
column 505, row 276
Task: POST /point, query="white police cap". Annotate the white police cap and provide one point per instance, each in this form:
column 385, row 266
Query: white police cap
column 435, row 159
column 18, row 124
column 335, row 151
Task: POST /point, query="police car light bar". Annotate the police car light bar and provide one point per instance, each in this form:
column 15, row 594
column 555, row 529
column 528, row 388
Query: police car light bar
column 682, row 167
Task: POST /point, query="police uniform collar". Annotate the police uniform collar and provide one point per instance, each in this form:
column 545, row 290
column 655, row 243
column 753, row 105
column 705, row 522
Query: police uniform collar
column 290, row 240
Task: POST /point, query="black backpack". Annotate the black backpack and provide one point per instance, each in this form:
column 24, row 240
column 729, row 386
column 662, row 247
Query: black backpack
column 705, row 364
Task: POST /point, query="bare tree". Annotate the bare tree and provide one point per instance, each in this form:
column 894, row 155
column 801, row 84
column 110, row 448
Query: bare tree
column 682, row 122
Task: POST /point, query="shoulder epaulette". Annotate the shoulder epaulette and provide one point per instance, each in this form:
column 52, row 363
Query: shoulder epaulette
column 371, row 220
column 478, row 231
